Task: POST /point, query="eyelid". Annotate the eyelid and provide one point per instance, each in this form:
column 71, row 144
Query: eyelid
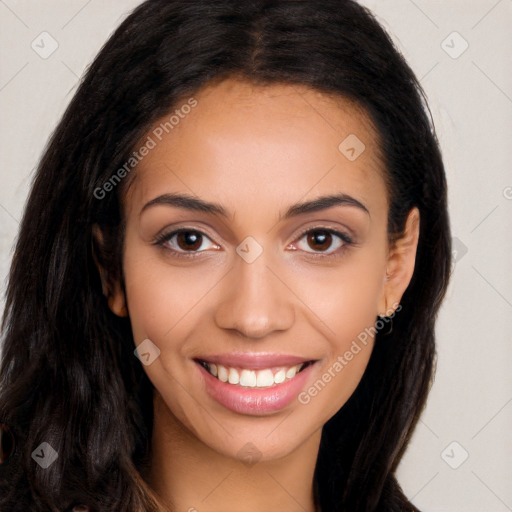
column 346, row 236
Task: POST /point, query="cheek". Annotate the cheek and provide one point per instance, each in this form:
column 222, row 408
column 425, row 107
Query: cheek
column 163, row 299
column 345, row 298
column 345, row 302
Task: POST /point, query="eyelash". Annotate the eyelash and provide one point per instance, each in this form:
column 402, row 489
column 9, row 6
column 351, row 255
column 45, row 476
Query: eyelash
column 347, row 240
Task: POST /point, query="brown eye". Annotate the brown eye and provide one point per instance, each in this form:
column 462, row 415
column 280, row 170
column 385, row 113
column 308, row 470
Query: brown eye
column 319, row 240
column 325, row 242
column 185, row 242
column 189, row 240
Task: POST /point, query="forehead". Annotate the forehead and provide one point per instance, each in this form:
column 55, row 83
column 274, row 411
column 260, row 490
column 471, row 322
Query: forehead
column 242, row 140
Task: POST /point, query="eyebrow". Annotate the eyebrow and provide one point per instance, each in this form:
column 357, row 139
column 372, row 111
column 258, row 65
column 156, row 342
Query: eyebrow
column 193, row 203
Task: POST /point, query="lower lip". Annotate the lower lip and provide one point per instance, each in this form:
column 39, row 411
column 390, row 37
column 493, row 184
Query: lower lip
column 255, row 401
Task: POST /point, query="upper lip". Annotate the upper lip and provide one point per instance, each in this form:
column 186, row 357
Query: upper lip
column 254, row 360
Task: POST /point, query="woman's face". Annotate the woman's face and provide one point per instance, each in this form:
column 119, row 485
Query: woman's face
column 267, row 286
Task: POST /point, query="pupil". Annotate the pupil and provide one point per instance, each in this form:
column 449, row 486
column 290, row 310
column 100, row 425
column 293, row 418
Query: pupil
column 321, row 239
column 190, row 240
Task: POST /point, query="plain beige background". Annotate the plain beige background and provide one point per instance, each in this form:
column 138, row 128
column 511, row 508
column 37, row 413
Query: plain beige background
column 459, row 458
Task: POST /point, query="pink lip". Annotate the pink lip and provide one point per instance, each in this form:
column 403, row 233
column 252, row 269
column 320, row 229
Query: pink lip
column 254, row 361
column 254, row 401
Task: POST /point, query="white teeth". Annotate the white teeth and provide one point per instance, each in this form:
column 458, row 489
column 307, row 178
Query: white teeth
column 248, row 378
column 279, row 376
column 222, row 373
column 264, row 378
column 233, row 376
column 290, row 373
column 253, row 378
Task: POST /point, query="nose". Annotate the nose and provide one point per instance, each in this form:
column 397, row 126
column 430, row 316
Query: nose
column 255, row 300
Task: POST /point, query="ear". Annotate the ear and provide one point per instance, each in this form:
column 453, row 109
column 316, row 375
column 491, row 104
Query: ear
column 400, row 264
column 111, row 287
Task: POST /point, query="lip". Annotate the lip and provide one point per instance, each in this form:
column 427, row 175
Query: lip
column 254, row 360
column 254, row 401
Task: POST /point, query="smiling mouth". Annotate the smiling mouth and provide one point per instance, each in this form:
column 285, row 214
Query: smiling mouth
column 247, row 378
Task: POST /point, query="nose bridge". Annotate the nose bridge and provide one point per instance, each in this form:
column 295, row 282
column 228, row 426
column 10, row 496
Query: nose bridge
column 255, row 302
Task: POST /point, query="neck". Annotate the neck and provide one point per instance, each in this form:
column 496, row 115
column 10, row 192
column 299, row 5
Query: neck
column 190, row 476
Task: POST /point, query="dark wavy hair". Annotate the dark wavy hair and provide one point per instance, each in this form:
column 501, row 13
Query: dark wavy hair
column 68, row 375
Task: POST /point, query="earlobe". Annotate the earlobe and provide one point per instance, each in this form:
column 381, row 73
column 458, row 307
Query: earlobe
column 111, row 289
column 117, row 304
column 400, row 264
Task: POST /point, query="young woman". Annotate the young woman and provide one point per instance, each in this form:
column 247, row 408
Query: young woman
column 225, row 286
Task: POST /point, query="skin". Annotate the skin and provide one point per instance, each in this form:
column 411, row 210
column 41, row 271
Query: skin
column 256, row 151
